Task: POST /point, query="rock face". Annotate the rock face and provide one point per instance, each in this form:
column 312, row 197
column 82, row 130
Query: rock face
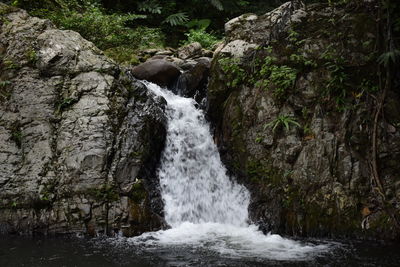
column 186, row 75
column 193, row 82
column 158, row 71
column 292, row 97
column 190, row 51
column 79, row 138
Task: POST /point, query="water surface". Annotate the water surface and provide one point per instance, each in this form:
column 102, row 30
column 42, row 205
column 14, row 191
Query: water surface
column 46, row 252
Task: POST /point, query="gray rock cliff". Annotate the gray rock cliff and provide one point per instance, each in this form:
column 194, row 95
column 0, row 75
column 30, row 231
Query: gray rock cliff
column 79, row 138
column 293, row 97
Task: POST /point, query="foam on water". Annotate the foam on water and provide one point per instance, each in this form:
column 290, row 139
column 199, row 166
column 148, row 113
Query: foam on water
column 204, row 207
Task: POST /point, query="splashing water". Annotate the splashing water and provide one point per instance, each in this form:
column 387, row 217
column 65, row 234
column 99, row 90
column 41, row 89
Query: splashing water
column 204, row 207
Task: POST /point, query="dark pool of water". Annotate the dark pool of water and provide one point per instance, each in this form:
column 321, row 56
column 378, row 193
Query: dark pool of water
column 20, row 251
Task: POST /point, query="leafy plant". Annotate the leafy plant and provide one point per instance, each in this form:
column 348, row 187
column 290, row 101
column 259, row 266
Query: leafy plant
column 283, row 77
column 102, row 29
column 31, row 56
column 150, row 6
column 4, row 83
column 302, row 60
column 14, row 204
column 337, row 84
column 177, row 19
column 63, row 104
column 11, row 65
column 206, row 39
column 388, row 57
column 198, row 24
column 282, row 120
column 235, row 74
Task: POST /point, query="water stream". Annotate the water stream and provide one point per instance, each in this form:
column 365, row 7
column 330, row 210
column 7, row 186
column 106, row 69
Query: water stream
column 204, row 207
column 207, row 212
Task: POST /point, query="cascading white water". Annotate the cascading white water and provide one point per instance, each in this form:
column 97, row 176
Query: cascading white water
column 203, row 205
column 194, row 184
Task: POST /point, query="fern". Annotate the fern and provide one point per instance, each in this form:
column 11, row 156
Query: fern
column 198, row 23
column 150, row 6
column 176, row 19
column 282, row 120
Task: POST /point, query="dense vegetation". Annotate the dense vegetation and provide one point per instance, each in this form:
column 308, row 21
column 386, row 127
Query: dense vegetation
column 121, row 27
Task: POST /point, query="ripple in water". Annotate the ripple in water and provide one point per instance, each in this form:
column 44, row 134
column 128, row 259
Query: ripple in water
column 203, row 206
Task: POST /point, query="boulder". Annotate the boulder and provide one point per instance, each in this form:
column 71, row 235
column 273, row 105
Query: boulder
column 158, row 71
column 79, row 137
column 190, row 51
column 312, row 176
column 192, row 83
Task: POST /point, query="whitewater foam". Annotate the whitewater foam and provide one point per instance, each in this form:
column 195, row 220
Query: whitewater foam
column 203, row 206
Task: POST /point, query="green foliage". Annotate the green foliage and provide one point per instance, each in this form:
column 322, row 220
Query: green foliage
column 389, row 57
column 235, row 74
column 14, row 204
column 11, row 65
column 206, row 39
column 62, row 104
column 150, row 6
column 123, row 54
column 4, row 84
column 367, row 86
column 282, row 120
column 112, row 32
column 302, row 60
column 31, row 56
column 198, row 24
column 177, row 19
column 280, row 78
column 337, row 85
column 110, row 24
column 104, row 30
column 283, row 78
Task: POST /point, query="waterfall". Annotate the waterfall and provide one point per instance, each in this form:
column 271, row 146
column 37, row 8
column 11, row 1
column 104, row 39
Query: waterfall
column 203, row 206
column 194, row 184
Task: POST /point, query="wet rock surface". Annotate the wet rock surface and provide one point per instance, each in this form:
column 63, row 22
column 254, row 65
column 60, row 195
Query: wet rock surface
column 158, row 71
column 304, row 147
column 184, row 71
column 79, row 138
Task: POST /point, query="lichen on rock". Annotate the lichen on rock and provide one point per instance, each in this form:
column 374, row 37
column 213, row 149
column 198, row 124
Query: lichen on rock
column 292, row 118
column 76, row 134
